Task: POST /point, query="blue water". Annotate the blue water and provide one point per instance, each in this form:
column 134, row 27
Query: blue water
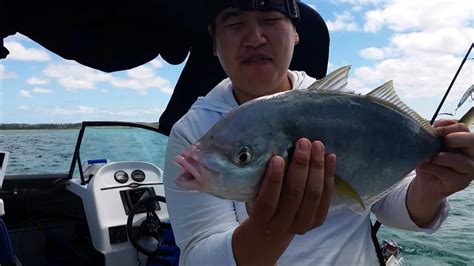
column 50, row 151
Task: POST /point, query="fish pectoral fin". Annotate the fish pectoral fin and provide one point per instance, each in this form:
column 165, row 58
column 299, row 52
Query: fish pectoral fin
column 344, row 188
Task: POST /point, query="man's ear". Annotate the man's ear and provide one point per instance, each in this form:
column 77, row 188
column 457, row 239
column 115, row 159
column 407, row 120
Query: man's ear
column 210, row 29
column 297, row 38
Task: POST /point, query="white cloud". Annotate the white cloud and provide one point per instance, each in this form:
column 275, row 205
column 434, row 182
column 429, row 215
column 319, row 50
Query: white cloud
column 77, row 110
column 37, row 81
column 344, row 21
column 357, row 5
column 17, row 37
column 377, row 53
column 135, row 112
column 415, row 76
column 440, row 41
column 374, row 21
column 142, row 85
column 19, row 52
column 167, row 90
column 41, row 90
column 141, row 72
column 73, row 76
column 416, row 15
column 157, row 63
column 71, row 83
column 23, row 108
column 141, row 79
column 24, row 93
column 4, row 74
column 428, row 43
column 78, row 113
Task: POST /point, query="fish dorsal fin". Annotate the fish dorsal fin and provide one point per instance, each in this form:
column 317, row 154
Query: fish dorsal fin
column 386, row 95
column 336, row 80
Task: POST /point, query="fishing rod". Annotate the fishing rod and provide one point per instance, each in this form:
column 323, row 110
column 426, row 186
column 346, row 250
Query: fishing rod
column 451, row 85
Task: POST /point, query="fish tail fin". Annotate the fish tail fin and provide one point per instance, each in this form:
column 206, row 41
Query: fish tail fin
column 344, row 188
column 468, row 118
column 336, row 80
column 386, row 95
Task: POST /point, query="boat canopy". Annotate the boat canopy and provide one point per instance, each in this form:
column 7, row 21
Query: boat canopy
column 114, row 35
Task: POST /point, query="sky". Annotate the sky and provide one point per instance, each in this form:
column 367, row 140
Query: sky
column 419, row 44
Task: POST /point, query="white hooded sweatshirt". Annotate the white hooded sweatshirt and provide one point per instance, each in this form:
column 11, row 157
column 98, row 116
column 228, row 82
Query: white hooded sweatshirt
column 203, row 224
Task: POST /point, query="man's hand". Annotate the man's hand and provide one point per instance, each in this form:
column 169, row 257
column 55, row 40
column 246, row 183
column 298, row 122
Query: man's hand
column 286, row 205
column 299, row 201
column 446, row 173
column 452, row 169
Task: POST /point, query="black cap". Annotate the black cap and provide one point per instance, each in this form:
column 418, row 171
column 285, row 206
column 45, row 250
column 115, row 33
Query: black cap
column 287, row 7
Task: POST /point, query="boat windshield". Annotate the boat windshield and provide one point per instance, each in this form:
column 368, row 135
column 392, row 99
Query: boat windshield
column 50, row 151
column 120, row 143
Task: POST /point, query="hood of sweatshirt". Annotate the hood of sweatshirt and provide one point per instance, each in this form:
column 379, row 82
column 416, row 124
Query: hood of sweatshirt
column 221, row 99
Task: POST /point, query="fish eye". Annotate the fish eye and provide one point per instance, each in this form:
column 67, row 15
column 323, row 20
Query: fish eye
column 244, row 157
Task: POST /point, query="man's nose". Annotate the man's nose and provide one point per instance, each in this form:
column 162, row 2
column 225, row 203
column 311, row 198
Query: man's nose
column 255, row 36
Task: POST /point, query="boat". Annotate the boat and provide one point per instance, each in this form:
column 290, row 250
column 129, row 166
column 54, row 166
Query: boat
column 110, row 209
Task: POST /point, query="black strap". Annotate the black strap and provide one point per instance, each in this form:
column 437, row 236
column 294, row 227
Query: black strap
column 378, row 250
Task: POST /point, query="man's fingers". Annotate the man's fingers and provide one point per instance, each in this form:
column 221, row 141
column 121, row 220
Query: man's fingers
column 444, row 130
column 263, row 207
column 444, row 122
column 293, row 186
column 461, row 140
column 325, row 202
column 456, row 161
column 314, row 190
column 446, row 174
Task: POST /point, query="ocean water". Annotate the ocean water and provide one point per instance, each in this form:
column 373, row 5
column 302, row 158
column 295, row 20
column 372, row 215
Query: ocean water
column 50, row 151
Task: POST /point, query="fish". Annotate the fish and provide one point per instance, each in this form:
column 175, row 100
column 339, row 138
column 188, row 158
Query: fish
column 376, row 137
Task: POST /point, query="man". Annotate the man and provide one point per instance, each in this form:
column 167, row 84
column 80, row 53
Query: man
column 288, row 221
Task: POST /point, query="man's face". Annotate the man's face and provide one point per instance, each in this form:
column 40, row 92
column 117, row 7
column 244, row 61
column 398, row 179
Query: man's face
column 255, row 49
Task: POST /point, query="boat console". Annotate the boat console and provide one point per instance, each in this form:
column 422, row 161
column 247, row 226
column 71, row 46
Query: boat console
column 3, row 165
column 112, row 191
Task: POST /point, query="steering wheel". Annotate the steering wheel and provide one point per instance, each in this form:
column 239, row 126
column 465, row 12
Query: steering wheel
column 151, row 226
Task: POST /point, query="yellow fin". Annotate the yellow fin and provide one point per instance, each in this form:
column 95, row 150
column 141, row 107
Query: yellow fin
column 344, row 188
column 468, row 118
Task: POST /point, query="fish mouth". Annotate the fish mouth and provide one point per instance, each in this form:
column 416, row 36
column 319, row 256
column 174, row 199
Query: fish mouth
column 194, row 174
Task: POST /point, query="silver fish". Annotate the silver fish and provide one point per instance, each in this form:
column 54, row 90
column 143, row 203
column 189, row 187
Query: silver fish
column 378, row 140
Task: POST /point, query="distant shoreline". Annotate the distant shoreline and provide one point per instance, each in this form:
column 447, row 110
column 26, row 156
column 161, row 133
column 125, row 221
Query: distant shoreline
column 49, row 126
